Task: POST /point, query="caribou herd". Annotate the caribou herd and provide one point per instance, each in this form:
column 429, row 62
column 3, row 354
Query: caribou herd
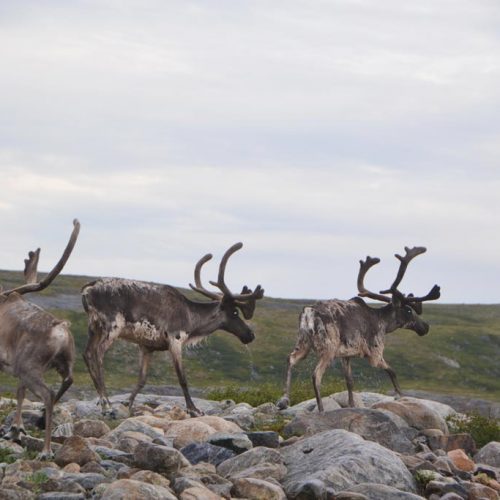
column 160, row 318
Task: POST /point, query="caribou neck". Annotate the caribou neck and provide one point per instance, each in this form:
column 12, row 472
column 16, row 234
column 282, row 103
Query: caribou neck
column 387, row 317
column 205, row 317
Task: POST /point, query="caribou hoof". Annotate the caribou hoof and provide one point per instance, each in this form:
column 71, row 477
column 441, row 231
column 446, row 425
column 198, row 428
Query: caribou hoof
column 14, row 434
column 194, row 412
column 110, row 413
column 45, row 456
column 283, row 403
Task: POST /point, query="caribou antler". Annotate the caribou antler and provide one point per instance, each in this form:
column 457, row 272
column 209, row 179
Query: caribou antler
column 197, row 279
column 31, row 266
column 30, row 270
column 364, row 266
column 242, row 298
column 411, row 253
column 434, row 294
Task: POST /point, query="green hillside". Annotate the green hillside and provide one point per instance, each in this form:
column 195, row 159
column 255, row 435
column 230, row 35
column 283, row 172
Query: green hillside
column 461, row 354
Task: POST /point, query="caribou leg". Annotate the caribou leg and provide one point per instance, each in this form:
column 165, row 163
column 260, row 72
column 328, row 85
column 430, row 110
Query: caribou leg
column 346, row 366
column 300, row 351
column 144, row 360
column 382, row 363
column 94, row 359
column 17, row 426
column 316, row 379
column 34, row 382
column 175, row 349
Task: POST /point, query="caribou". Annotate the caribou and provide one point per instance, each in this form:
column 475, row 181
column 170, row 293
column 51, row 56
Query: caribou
column 33, row 341
column 160, row 318
column 351, row 328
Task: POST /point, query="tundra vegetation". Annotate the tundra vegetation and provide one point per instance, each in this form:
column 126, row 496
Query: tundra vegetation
column 459, row 356
column 234, row 450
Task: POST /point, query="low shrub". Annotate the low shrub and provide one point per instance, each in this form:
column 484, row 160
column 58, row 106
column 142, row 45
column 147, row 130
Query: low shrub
column 6, row 457
column 482, row 429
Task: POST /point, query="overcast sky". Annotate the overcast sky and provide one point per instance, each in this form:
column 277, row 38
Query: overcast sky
column 315, row 132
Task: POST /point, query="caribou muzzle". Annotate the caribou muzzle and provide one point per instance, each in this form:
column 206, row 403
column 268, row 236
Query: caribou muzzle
column 421, row 328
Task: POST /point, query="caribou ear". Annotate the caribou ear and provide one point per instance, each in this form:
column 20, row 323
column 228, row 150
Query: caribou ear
column 397, row 299
column 416, row 306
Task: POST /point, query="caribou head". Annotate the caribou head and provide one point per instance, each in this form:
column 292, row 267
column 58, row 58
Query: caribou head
column 407, row 308
column 231, row 304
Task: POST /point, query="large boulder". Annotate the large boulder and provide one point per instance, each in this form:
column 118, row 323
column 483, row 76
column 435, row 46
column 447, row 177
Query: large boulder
column 489, row 454
column 256, row 457
column 75, row 450
column 90, row 428
column 129, row 488
column 373, row 425
column 373, row 491
column 202, row 474
column 258, row 489
column 198, row 429
column 206, row 452
column 442, row 409
column 135, row 425
column 416, row 413
column 157, row 458
column 338, row 459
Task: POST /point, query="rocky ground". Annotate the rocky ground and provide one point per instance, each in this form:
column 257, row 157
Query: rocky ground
column 383, row 449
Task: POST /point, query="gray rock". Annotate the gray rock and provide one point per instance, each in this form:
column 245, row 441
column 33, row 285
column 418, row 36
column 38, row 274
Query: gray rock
column 35, row 444
column 75, row 450
column 416, row 413
column 255, row 456
column 310, row 405
column 342, row 398
column 88, row 480
column 128, row 488
column 113, row 467
column 183, row 483
column 375, row 491
column 257, row 489
column 90, row 428
column 15, row 494
column 60, row 495
column 443, row 486
column 87, row 409
column 158, row 458
column 205, row 475
column 269, row 439
column 113, row 454
column 489, row 454
column 371, row 424
column 462, row 404
column 206, row 452
column 450, row 496
column 310, row 489
column 168, row 402
column 238, row 443
column 245, row 420
column 63, row 430
column 132, row 424
column 371, row 398
column 341, row 459
column 443, row 410
column 264, row 470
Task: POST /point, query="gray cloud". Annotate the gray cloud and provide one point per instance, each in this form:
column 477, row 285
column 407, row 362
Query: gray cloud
column 316, row 132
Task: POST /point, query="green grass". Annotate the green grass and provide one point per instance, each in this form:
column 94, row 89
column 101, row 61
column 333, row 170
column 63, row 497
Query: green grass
column 6, row 456
column 466, row 334
column 266, row 392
